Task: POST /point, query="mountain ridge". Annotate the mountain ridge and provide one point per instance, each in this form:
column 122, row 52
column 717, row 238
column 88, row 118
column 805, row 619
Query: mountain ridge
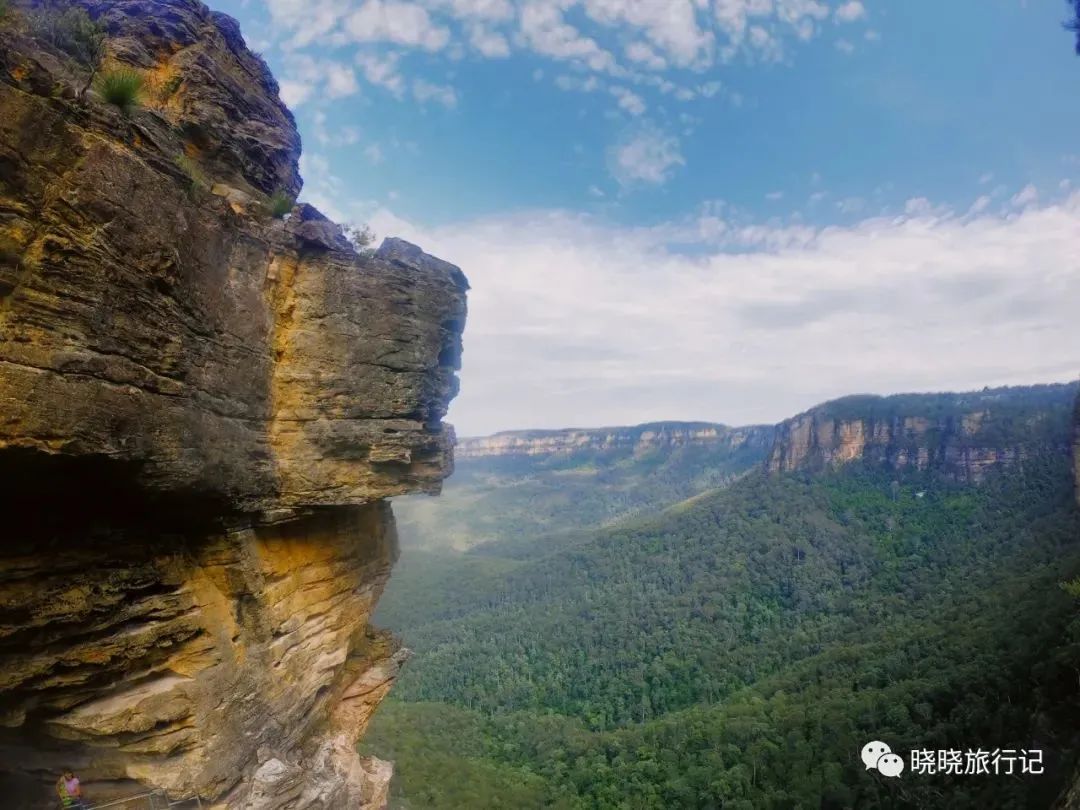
column 639, row 438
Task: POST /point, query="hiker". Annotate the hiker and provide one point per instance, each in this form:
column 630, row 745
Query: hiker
column 70, row 791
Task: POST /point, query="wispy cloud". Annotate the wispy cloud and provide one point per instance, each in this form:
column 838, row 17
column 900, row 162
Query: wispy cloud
column 647, row 156
column 574, row 321
column 425, row 91
column 644, row 44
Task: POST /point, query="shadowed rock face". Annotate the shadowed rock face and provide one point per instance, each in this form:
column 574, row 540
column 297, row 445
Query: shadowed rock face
column 202, row 412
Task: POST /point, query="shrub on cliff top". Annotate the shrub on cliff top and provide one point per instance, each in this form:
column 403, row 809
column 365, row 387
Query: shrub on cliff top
column 361, row 238
column 120, row 87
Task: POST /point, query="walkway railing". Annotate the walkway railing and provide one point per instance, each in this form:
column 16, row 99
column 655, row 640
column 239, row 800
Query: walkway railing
column 153, row 800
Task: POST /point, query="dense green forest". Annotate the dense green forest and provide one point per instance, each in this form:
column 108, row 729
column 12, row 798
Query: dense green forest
column 737, row 650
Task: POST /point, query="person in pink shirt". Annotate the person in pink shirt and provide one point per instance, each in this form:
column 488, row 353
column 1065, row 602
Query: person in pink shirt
column 70, row 791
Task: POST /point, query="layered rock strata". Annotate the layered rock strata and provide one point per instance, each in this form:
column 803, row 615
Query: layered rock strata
column 203, row 410
column 963, row 436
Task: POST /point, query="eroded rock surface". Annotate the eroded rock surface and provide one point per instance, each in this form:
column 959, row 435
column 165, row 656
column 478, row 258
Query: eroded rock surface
column 202, row 412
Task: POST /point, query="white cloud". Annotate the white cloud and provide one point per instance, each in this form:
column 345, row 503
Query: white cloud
column 656, row 40
column 629, row 101
column 341, row 136
column 382, row 71
column 374, row 154
column 545, row 30
column 850, row 11
column 306, row 78
column 295, row 92
column 844, row 46
column 851, row 205
column 493, row 10
column 642, row 54
column 398, row 22
column 307, row 20
column 765, row 44
column 710, row 89
column 576, row 322
column 425, row 91
column 1028, row 195
column 648, row 157
column 981, row 204
column 670, row 25
column 580, row 84
column 774, row 196
column 488, row 43
column 340, row 80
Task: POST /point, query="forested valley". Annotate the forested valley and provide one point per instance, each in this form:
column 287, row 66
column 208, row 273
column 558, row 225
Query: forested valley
column 735, row 648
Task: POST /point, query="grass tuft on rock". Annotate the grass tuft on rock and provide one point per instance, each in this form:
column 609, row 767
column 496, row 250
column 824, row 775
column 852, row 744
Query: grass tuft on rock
column 281, row 204
column 121, row 87
column 196, row 176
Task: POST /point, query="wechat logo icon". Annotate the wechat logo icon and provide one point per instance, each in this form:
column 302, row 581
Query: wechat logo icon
column 877, row 755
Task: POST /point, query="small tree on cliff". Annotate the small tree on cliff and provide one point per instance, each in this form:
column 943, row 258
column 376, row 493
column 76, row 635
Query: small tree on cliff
column 71, row 30
column 361, row 238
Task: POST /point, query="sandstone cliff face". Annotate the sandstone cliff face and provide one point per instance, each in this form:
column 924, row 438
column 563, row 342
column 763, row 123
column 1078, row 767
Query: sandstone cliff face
column 963, row 436
column 202, row 410
column 639, row 439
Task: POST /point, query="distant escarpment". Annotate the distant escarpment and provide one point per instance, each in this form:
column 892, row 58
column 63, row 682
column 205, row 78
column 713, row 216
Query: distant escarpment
column 204, row 406
column 963, row 436
column 638, row 439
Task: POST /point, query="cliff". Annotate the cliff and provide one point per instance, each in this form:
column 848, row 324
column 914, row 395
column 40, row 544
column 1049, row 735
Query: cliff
column 963, row 436
column 634, row 440
column 203, row 410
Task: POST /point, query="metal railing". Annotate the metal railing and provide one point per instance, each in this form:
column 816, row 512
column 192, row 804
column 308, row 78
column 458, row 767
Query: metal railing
column 152, row 800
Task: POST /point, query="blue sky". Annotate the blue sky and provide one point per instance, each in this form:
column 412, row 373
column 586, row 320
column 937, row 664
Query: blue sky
column 706, row 209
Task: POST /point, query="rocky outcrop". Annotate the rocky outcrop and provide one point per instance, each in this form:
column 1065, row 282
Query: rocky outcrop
column 963, row 436
column 637, row 440
column 202, row 412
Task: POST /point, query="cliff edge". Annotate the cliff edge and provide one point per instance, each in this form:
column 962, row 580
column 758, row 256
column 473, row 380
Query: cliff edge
column 662, row 436
column 202, row 411
column 963, row 436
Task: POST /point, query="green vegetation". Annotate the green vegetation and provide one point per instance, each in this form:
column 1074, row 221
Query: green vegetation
column 169, row 88
column 70, row 29
column 281, row 204
column 738, row 651
column 196, row 176
column 5, row 9
column 121, row 87
column 361, row 237
column 1013, row 414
